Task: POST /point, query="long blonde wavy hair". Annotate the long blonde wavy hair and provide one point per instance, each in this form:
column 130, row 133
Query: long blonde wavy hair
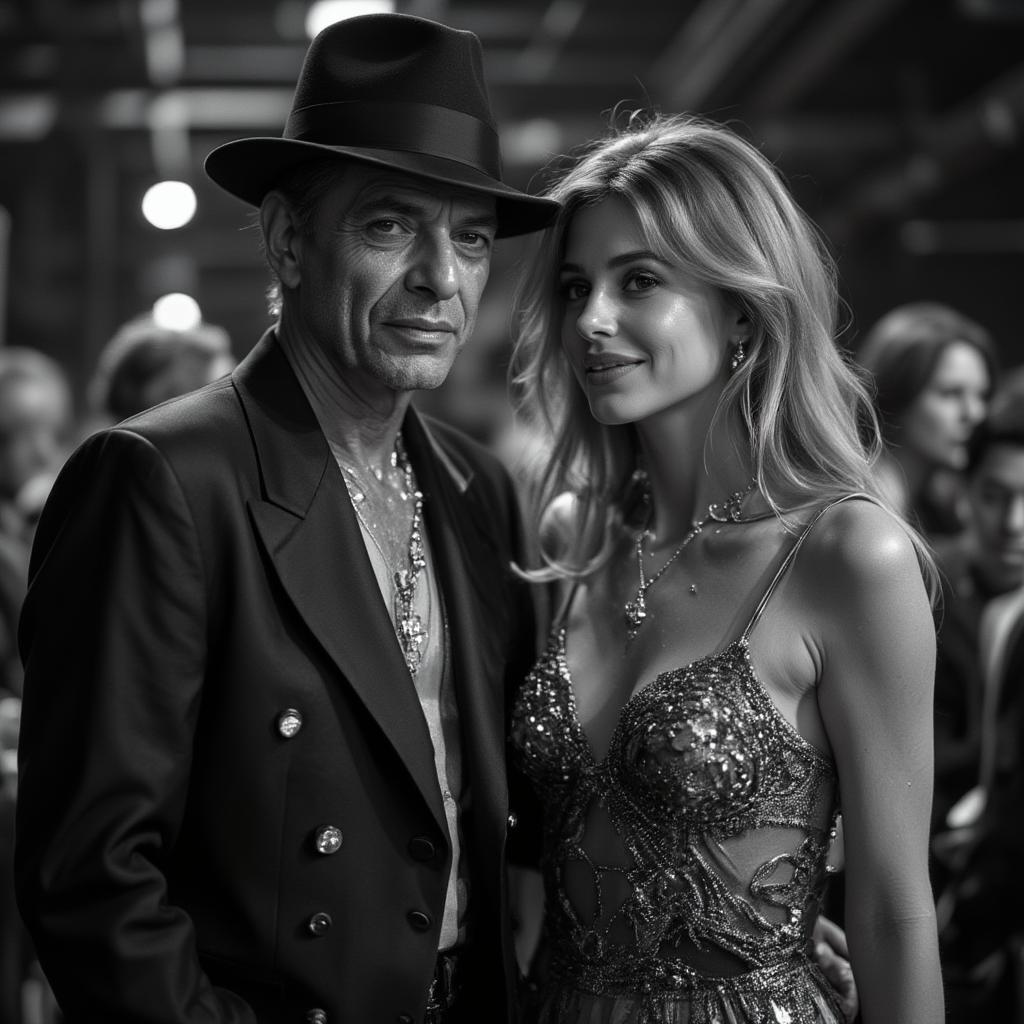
column 709, row 202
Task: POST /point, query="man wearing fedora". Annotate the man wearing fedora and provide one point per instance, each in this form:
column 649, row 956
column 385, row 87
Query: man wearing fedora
column 272, row 626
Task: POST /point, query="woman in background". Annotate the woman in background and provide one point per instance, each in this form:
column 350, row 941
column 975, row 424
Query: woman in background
column 933, row 370
column 746, row 640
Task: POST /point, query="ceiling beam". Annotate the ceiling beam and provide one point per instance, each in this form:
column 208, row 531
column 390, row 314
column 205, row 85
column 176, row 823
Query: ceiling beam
column 709, row 45
column 970, row 136
column 819, row 49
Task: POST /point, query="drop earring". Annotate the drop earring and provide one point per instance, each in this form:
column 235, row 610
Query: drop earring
column 739, row 355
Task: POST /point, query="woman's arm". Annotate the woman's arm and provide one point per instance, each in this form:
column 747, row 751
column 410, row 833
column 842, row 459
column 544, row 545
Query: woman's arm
column 876, row 643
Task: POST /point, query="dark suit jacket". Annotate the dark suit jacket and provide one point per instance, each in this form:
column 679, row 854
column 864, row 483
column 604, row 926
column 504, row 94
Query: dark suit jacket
column 199, row 571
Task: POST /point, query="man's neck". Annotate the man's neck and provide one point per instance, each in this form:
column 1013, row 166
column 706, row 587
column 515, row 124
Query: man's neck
column 360, row 428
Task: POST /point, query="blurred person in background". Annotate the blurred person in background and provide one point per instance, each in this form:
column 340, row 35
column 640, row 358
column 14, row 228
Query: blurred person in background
column 36, row 420
column 145, row 364
column 979, row 687
column 980, row 845
column 981, row 570
column 933, row 370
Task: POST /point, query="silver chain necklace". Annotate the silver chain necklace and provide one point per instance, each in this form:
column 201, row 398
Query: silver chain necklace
column 409, row 628
column 719, row 512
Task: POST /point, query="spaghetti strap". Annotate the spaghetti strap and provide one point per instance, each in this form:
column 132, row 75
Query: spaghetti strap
column 789, row 559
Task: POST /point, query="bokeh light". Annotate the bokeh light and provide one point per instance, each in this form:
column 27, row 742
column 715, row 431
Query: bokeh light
column 177, row 312
column 327, row 12
column 169, row 204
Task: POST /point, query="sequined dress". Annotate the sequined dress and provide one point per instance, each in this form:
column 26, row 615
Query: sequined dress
column 723, row 815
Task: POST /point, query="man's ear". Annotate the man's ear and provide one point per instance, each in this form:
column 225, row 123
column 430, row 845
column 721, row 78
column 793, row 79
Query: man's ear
column 282, row 239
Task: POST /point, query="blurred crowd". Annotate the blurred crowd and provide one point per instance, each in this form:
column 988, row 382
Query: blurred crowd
column 953, row 420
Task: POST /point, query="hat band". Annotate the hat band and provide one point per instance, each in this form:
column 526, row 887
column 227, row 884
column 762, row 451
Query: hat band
column 412, row 127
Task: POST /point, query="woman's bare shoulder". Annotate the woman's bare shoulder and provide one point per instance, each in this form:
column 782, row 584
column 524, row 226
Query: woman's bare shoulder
column 857, row 547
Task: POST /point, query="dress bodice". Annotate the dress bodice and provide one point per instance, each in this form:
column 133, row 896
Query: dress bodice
column 700, row 908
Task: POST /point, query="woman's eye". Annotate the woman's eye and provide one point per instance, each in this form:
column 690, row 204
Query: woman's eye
column 573, row 291
column 641, row 282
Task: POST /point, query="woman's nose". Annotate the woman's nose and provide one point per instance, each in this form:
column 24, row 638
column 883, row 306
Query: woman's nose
column 597, row 318
column 973, row 408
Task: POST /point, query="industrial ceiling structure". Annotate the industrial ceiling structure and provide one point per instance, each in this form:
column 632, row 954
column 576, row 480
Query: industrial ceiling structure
column 898, row 124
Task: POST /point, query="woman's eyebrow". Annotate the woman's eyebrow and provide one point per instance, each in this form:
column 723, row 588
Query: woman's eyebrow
column 615, row 261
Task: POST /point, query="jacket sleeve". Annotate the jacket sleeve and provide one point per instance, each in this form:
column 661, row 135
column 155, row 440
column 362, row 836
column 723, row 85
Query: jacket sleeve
column 113, row 639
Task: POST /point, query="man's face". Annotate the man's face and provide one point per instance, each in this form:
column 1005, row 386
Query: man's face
column 997, row 504
column 391, row 271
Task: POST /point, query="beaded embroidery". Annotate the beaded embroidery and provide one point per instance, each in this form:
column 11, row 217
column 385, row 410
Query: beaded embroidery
column 722, row 814
column 702, row 772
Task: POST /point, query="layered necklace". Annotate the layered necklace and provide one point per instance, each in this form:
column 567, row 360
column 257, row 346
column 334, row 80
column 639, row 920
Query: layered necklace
column 399, row 487
column 719, row 512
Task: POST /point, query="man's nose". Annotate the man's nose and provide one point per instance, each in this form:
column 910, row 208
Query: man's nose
column 435, row 267
column 1014, row 518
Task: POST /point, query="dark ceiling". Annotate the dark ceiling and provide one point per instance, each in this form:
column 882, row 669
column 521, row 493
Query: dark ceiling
column 898, row 124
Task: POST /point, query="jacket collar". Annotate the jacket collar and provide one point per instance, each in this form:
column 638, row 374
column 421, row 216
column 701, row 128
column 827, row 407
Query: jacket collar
column 311, row 535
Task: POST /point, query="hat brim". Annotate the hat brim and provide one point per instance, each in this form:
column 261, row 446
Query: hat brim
column 249, row 169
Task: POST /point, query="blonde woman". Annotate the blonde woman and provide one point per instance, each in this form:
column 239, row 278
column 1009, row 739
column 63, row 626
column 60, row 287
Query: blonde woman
column 746, row 644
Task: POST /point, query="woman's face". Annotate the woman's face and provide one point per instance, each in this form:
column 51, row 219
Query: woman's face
column 643, row 336
column 939, row 421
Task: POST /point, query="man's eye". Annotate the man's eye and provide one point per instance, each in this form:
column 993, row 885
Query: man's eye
column 477, row 241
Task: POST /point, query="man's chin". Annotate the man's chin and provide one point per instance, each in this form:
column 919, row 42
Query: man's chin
column 420, row 372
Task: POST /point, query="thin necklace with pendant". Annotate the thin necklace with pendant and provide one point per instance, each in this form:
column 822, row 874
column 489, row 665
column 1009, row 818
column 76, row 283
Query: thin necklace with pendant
column 719, row 512
column 409, row 628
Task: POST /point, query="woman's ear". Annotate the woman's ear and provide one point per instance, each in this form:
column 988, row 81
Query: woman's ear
column 742, row 328
column 281, row 239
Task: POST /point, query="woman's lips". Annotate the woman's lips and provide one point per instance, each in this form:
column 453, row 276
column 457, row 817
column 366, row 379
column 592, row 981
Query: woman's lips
column 609, row 370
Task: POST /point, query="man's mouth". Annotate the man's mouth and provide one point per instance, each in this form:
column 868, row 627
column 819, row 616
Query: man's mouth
column 424, row 325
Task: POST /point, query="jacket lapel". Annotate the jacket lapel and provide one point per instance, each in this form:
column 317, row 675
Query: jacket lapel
column 311, row 535
column 462, row 556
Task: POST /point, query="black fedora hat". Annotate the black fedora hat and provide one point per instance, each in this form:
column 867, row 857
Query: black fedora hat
column 394, row 90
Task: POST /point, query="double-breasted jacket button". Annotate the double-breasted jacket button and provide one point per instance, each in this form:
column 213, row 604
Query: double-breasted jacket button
column 419, row 920
column 513, row 820
column 289, row 722
column 316, row 1016
column 327, row 839
column 320, row 923
column 422, row 848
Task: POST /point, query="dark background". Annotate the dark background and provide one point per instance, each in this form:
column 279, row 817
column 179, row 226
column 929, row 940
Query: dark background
column 898, row 124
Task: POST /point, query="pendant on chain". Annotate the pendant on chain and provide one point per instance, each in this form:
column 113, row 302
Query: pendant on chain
column 636, row 612
column 719, row 512
column 410, row 630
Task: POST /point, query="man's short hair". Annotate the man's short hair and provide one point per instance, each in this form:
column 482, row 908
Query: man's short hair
column 303, row 188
